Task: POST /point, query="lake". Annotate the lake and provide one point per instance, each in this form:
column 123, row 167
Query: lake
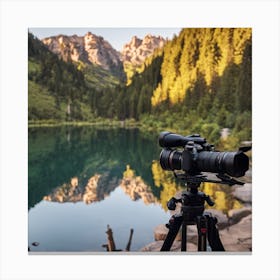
column 81, row 179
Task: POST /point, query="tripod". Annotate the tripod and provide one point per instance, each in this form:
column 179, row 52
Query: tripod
column 192, row 212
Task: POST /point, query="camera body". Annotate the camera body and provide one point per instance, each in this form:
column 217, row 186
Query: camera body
column 196, row 156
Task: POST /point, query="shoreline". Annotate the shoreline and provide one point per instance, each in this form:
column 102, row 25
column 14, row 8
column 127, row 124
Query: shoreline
column 235, row 227
column 99, row 122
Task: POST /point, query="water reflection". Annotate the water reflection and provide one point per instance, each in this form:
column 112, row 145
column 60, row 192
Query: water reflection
column 69, row 164
column 80, row 179
column 220, row 194
column 89, row 155
column 133, row 186
column 74, row 192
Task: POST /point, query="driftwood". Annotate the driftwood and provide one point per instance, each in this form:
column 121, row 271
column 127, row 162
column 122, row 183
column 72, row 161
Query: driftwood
column 129, row 240
column 110, row 246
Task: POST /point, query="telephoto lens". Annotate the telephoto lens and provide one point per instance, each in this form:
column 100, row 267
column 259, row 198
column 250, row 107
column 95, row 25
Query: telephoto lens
column 234, row 164
column 198, row 156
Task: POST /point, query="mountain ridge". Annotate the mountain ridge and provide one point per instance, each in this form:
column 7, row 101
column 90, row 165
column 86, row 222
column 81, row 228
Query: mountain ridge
column 201, row 80
column 137, row 50
column 92, row 49
column 88, row 49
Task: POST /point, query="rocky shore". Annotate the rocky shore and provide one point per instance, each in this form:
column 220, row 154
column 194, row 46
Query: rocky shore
column 235, row 227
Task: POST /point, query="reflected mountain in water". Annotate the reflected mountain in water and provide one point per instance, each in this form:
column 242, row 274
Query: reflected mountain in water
column 99, row 187
column 71, row 164
column 57, row 154
column 135, row 187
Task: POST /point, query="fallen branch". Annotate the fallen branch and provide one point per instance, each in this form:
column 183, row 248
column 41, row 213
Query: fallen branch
column 110, row 246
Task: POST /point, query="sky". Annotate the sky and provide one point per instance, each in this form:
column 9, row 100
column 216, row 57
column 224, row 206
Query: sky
column 117, row 37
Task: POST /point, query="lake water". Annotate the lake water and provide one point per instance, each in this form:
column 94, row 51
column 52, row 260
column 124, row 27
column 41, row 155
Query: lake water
column 81, row 179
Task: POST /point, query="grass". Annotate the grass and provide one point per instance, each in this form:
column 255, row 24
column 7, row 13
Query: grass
column 96, row 77
column 41, row 104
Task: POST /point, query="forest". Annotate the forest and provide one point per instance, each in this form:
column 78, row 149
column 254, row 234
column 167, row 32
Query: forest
column 200, row 81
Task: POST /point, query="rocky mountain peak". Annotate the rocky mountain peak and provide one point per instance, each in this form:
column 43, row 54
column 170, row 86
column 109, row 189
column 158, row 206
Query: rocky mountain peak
column 134, row 43
column 89, row 49
column 137, row 50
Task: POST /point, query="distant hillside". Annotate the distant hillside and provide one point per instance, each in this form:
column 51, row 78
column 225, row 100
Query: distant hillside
column 99, row 61
column 200, row 81
column 206, row 80
column 201, row 53
column 69, row 75
column 56, row 89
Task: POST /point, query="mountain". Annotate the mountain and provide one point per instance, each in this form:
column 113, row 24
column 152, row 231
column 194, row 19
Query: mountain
column 137, row 50
column 68, row 75
column 57, row 90
column 201, row 80
column 91, row 51
column 88, row 49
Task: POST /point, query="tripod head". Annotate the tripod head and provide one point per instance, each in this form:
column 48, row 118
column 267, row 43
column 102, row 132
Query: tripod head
column 197, row 178
column 192, row 200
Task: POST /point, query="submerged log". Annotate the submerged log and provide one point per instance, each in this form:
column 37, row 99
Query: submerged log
column 110, row 246
column 129, row 240
column 111, row 242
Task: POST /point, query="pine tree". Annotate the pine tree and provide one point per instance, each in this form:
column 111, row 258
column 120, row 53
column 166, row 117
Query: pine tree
column 244, row 87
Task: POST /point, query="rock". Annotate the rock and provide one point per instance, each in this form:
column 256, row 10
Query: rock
column 100, row 52
column 225, row 132
column 137, row 50
column 160, row 232
column 238, row 238
column 176, row 247
column 221, row 217
column 191, row 234
column 235, row 215
column 243, row 193
column 88, row 49
column 235, row 237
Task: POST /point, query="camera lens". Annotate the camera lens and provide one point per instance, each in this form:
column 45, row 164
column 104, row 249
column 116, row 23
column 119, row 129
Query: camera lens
column 233, row 163
column 170, row 159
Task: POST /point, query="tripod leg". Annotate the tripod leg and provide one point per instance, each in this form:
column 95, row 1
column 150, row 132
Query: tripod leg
column 213, row 235
column 174, row 226
column 184, row 237
column 202, row 233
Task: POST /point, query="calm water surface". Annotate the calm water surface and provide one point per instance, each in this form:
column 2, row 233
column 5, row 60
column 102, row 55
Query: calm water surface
column 74, row 188
column 81, row 179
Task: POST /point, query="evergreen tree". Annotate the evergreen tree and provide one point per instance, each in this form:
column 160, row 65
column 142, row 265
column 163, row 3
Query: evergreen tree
column 244, row 86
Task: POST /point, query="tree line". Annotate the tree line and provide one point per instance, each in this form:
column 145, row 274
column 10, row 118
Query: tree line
column 62, row 80
column 201, row 80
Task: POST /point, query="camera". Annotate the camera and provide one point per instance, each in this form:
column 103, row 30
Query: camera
column 195, row 155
